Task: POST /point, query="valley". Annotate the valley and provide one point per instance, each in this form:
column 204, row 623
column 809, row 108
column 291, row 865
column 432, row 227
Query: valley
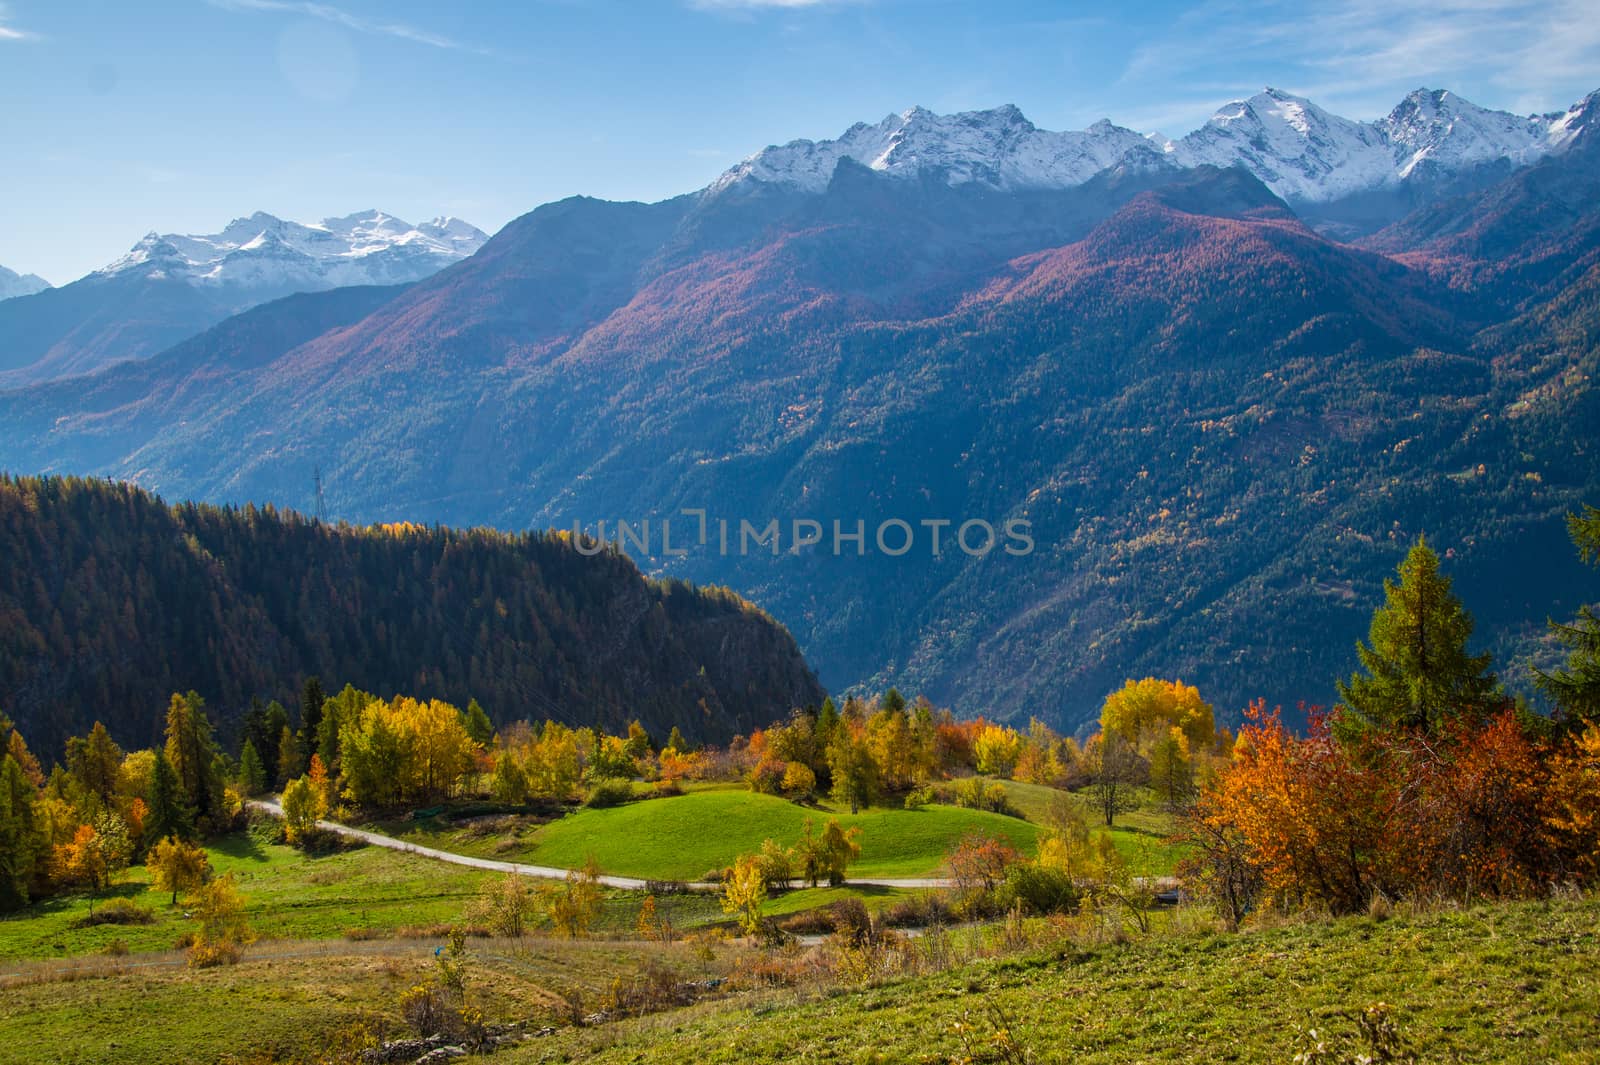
column 987, row 585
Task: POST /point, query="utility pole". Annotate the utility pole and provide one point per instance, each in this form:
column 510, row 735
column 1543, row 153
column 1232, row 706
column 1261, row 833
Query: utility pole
column 322, row 510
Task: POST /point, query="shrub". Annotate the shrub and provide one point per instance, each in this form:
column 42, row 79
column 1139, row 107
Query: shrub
column 851, row 921
column 975, row 793
column 920, row 911
column 426, row 1009
column 817, row 922
column 1038, row 889
column 610, row 791
column 117, row 911
column 766, row 778
column 320, row 842
column 224, row 931
column 799, row 781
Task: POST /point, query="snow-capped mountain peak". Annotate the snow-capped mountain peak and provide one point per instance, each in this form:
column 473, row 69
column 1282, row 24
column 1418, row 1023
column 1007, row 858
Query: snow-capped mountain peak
column 1438, row 128
column 1301, row 151
column 999, row 148
column 263, row 256
column 13, row 284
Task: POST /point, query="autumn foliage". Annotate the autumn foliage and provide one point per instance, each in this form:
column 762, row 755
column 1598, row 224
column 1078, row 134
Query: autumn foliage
column 1479, row 807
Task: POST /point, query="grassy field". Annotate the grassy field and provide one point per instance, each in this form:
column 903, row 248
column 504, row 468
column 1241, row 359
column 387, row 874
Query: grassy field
column 1141, row 835
column 1510, row 983
column 1507, row 983
column 684, row 837
column 291, row 896
column 288, row 895
column 300, row 1002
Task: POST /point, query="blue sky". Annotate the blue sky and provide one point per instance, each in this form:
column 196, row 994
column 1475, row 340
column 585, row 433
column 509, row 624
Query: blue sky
column 179, row 115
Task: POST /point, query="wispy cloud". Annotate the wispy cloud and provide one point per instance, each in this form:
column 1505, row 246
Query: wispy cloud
column 9, row 32
column 1358, row 54
column 341, row 17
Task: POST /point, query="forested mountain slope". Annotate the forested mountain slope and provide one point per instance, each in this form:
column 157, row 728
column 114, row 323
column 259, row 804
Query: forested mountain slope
column 110, row 600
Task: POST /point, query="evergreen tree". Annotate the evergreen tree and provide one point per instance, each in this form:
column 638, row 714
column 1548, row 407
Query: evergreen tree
column 1576, row 689
column 21, row 842
column 676, row 742
column 311, row 700
column 253, row 729
column 827, row 721
column 1417, row 669
column 93, row 761
column 270, row 748
column 477, row 724
column 190, row 750
column 252, row 774
column 170, row 814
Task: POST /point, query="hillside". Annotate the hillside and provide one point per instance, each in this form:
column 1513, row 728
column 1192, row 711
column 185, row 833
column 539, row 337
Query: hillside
column 111, row 600
column 1223, row 427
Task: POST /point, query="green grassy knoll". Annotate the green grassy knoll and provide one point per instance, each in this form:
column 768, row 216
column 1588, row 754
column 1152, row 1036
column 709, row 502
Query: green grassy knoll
column 685, row 836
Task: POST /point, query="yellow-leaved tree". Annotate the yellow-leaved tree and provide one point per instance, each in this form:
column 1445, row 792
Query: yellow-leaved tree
column 1142, row 711
column 176, row 866
column 744, row 892
column 304, row 803
column 224, row 930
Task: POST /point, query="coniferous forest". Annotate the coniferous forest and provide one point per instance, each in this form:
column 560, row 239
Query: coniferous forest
column 111, row 600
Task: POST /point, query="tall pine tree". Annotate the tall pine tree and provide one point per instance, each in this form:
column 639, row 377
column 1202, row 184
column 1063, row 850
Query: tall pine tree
column 21, row 840
column 1417, row 671
column 169, row 814
column 311, row 700
column 190, row 750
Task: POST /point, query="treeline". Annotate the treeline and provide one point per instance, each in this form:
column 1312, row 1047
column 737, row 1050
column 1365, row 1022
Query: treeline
column 111, row 599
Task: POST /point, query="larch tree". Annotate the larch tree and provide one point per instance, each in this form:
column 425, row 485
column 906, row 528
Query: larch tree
column 190, row 751
column 94, row 761
column 1416, row 671
column 177, row 866
column 170, row 813
column 252, row 774
column 22, row 844
column 854, row 773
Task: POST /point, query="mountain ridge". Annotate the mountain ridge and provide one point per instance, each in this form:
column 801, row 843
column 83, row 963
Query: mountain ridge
column 171, row 287
column 1302, row 152
column 13, row 284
